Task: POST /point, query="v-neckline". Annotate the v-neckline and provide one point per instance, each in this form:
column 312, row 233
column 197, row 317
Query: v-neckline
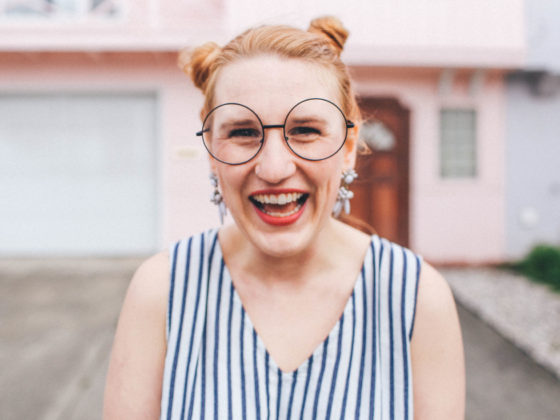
column 319, row 349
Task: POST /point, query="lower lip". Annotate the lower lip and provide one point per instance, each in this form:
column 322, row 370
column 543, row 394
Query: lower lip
column 280, row 221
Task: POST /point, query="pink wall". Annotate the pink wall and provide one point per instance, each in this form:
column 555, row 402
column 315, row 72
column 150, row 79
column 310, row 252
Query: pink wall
column 450, row 220
column 427, row 33
column 184, row 189
column 154, row 25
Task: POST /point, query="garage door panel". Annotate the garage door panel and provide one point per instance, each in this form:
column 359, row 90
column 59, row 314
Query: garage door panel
column 78, row 173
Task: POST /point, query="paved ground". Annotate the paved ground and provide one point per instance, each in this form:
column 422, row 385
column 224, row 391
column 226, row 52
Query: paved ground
column 503, row 382
column 57, row 319
column 56, row 328
column 525, row 312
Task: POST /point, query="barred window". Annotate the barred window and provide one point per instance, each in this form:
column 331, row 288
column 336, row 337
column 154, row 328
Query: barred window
column 458, row 156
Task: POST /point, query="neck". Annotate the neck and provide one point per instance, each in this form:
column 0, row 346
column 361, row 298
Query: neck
column 244, row 257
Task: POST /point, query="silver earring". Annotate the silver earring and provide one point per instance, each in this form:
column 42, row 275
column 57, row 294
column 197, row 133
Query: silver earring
column 217, row 198
column 344, row 194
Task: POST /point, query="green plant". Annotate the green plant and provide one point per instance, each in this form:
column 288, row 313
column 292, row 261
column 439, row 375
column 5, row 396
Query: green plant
column 542, row 264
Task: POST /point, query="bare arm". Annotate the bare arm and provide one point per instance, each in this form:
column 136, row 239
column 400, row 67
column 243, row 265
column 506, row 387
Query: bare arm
column 438, row 367
column 133, row 387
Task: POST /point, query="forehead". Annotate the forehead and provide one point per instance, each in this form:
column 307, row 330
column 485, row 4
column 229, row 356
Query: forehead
column 271, row 85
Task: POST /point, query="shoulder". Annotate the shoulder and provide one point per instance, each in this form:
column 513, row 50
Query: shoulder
column 437, row 351
column 153, row 266
column 150, row 281
column 146, row 299
column 432, row 283
column 434, row 297
column 133, row 385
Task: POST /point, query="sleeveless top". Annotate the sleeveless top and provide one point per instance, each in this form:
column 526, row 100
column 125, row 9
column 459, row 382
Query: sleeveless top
column 217, row 367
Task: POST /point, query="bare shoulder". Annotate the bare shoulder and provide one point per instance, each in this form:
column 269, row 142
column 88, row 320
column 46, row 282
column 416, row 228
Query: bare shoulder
column 151, row 280
column 434, row 294
column 436, row 312
column 437, row 351
column 133, row 387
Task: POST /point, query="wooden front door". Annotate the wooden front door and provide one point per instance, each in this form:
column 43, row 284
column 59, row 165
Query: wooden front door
column 381, row 192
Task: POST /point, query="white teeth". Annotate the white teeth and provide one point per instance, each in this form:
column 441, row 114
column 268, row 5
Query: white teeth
column 279, row 199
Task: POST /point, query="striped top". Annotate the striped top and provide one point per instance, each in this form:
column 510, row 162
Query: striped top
column 217, row 367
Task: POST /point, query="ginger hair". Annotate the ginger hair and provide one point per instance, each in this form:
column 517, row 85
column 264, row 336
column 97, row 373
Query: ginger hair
column 321, row 44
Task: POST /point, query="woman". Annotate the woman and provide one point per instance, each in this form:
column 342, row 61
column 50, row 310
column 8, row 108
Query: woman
column 288, row 312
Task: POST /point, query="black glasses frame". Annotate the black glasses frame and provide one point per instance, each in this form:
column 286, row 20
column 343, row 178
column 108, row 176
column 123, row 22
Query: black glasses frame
column 349, row 124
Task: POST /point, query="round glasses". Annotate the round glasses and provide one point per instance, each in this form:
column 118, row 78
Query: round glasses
column 314, row 129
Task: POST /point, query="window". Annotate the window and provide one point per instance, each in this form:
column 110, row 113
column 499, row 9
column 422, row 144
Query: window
column 458, row 143
column 60, row 8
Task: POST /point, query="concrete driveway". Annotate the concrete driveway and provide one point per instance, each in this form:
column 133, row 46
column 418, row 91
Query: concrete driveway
column 57, row 323
column 57, row 319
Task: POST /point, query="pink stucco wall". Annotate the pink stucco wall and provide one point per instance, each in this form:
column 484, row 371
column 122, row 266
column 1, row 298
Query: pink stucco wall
column 383, row 32
column 154, row 25
column 450, row 220
column 183, row 187
column 399, row 50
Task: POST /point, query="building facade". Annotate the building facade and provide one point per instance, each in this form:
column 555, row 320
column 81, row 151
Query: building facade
column 97, row 148
column 533, row 136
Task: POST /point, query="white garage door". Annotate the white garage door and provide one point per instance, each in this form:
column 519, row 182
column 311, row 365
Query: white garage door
column 77, row 174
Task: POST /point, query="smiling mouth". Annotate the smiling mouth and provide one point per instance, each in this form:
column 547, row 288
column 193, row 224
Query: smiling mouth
column 279, row 205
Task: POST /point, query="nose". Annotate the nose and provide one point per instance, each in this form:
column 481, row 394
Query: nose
column 275, row 162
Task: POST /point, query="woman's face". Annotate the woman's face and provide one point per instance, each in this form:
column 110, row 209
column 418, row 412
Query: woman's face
column 254, row 192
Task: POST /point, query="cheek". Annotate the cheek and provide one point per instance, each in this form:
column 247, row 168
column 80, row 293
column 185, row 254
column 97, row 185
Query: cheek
column 332, row 183
column 335, row 184
column 230, row 181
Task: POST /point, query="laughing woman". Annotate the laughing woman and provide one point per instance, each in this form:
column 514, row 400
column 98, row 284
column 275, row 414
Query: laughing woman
column 287, row 312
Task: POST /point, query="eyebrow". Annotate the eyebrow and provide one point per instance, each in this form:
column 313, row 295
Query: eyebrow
column 237, row 123
column 305, row 120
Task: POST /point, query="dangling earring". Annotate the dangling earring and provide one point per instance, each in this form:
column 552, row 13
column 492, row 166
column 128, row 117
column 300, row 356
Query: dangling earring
column 217, row 198
column 344, row 194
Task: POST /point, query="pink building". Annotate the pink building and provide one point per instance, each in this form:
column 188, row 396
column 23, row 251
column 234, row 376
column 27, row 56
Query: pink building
column 97, row 148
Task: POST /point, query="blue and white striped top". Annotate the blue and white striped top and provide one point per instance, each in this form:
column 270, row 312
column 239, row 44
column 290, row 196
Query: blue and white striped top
column 217, row 367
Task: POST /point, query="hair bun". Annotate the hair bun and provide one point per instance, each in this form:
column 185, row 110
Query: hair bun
column 197, row 63
column 332, row 29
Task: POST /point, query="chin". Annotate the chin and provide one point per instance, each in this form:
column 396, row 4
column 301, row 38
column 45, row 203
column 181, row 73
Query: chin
column 283, row 231
column 287, row 241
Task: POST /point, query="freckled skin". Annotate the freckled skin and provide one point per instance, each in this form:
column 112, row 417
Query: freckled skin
column 271, row 86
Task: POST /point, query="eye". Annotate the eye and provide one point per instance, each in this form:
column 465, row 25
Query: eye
column 244, row 132
column 304, row 132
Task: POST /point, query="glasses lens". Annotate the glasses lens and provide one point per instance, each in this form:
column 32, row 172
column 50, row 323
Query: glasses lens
column 232, row 133
column 315, row 129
